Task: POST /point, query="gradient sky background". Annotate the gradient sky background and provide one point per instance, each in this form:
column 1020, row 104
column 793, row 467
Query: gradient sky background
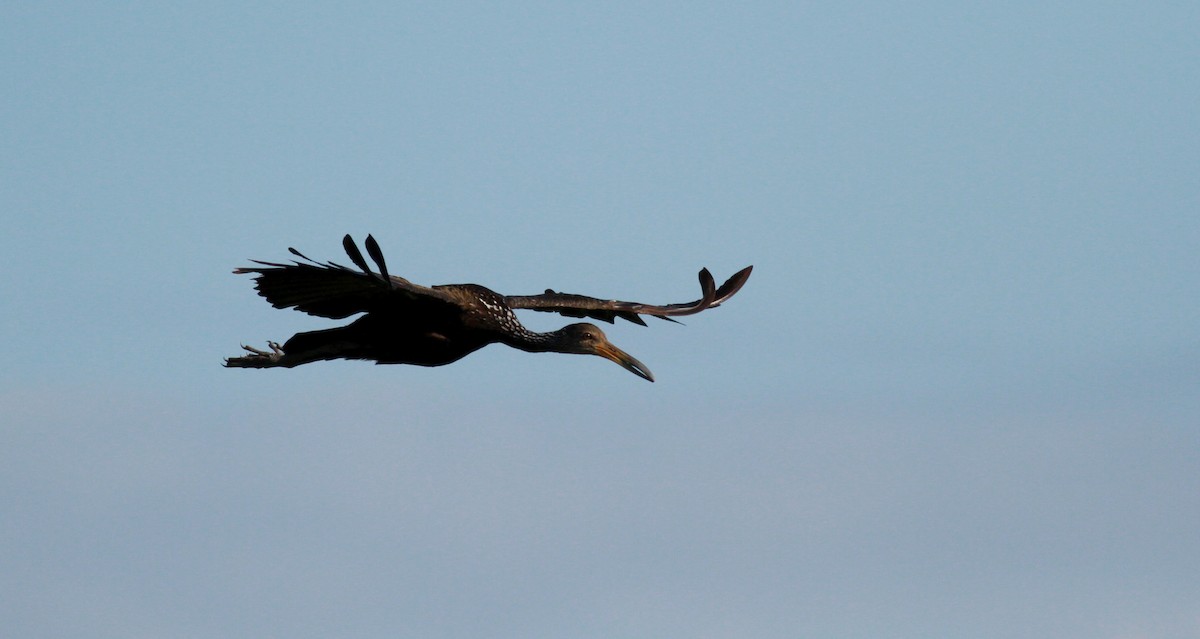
column 959, row 397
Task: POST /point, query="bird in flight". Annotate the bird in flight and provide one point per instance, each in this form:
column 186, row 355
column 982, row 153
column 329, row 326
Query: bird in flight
column 405, row 323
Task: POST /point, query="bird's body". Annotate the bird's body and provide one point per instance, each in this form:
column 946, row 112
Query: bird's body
column 404, row 323
column 435, row 336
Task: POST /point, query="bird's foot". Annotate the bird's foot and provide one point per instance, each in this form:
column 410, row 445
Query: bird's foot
column 257, row 358
column 274, row 355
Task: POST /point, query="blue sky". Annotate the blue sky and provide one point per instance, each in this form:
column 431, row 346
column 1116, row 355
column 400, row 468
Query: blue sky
column 957, row 398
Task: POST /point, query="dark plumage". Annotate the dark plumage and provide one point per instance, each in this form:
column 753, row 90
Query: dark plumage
column 405, row 323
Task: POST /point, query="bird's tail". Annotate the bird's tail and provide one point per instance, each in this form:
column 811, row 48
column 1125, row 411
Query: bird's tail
column 253, row 360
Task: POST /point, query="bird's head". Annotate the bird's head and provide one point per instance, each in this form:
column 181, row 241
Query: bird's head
column 588, row 339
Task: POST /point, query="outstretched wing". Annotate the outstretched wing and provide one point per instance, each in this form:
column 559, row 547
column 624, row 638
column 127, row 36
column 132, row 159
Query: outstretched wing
column 335, row 291
column 609, row 310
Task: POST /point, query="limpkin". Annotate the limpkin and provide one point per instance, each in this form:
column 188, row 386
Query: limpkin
column 405, row 323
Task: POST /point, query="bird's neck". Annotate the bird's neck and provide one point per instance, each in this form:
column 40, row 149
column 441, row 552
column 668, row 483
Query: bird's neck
column 533, row 341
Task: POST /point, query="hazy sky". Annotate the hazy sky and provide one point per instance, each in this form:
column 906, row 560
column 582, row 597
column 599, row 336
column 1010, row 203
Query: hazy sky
column 959, row 397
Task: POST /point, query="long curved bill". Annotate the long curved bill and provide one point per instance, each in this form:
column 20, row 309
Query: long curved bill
column 627, row 361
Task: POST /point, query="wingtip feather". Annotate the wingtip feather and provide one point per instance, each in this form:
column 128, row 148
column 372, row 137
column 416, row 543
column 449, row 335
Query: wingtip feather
column 733, row 285
column 355, row 255
column 377, row 254
column 708, row 288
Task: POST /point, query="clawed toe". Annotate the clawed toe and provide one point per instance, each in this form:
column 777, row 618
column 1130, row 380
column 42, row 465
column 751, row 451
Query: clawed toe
column 258, row 358
column 275, row 353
